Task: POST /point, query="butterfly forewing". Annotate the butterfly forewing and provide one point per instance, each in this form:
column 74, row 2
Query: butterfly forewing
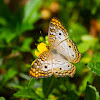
column 58, row 40
column 56, row 32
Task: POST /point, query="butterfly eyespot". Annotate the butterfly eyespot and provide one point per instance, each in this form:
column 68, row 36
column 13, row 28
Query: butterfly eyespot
column 47, row 47
column 45, row 66
column 68, row 65
column 78, row 54
column 69, row 46
column 73, row 55
column 60, row 68
column 59, row 33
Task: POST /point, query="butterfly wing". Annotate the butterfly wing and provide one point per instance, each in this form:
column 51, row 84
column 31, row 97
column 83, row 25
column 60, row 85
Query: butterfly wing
column 61, row 66
column 68, row 49
column 56, row 32
column 50, row 62
column 57, row 37
column 42, row 67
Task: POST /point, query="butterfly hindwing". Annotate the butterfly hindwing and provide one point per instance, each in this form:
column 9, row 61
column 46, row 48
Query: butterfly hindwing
column 61, row 66
column 42, row 67
column 68, row 49
column 50, row 62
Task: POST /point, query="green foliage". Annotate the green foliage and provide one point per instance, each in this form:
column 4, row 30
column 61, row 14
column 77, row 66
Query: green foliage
column 47, row 89
column 95, row 67
column 26, row 45
column 78, row 31
column 9, row 75
column 20, row 28
column 27, row 93
column 2, row 98
column 88, row 78
column 31, row 14
column 87, row 42
column 31, row 82
column 96, row 57
column 91, row 93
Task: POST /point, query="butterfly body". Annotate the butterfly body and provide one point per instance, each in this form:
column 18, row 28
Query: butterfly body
column 56, row 60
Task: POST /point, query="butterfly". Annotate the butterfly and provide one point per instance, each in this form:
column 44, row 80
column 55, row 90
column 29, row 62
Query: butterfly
column 57, row 59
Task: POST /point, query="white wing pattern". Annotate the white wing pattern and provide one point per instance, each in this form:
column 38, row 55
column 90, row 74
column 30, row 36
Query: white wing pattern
column 61, row 66
column 56, row 33
column 58, row 40
column 42, row 67
column 50, row 62
column 56, row 61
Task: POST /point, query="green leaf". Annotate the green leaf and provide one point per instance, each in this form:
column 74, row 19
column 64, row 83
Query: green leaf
column 9, row 75
column 48, row 85
column 88, row 42
column 31, row 82
column 4, row 35
column 2, row 98
column 76, row 31
column 33, row 53
column 96, row 57
column 95, row 67
column 17, row 86
column 88, row 78
column 70, row 95
column 3, row 21
column 31, row 12
column 24, row 76
column 80, row 67
column 1, row 61
column 86, row 58
column 26, row 45
column 83, row 47
column 27, row 93
column 87, row 38
column 91, row 93
column 25, row 27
